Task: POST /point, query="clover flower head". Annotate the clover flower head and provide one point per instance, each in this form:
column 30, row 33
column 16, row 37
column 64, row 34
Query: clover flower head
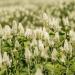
column 45, row 34
column 38, row 32
column 7, row 32
column 17, row 43
column 14, row 27
column 57, row 36
column 54, row 54
column 66, row 21
column 28, row 54
column 67, row 46
column 1, row 31
column 72, row 35
column 6, row 59
column 63, row 58
column 54, row 23
column 28, row 32
column 36, row 51
column 21, row 28
column 34, row 42
column 44, row 54
column 38, row 72
column 40, row 45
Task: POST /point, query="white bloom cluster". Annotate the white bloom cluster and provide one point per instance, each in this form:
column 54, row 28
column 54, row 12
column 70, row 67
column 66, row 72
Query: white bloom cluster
column 5, row 59
column 67, row 47
column 28, row 54
column 54, row 23
column 39, row 72
column 7, row 32
column 54, row 54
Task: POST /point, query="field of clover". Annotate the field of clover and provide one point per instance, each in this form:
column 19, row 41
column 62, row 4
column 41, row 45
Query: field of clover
column 37, row 40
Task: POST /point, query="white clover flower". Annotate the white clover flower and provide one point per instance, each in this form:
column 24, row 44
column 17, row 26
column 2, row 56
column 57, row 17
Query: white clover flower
column 70, row 49
column 72, row 35
column 67, row 47
column 40, row 45
column 33, row 43
column 54, row 54
column 1, row 31
column 28, row 54
column 6, row 32
column 38, row 72
column 51, row 42
column 45, row 34
column 56, row 38
column 6, row 59
column 0, row 59
column 54, row 23
column 17, row 43
column 66, row 21
column 21, row 28
column 62, row 48
column 38, row 32
column 63, row 58
column 28, row 33
column 36, row 51
column 14, row 27
column 44, row 54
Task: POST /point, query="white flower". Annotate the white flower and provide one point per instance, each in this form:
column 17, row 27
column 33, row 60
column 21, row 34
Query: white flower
column 17, row 43
column 67, row 47
column 44, row 53
column 45, row 34
column 6, row 32
column 39, row 72
column 66, row 21
column 63, row 58
column 21, row 28
column 36, row 51
column 51, row 42
column 61, row 48
column 28, row 54
column 33, row 43
column 0, row 59
column 6, row 59
column 38, row 32
column 1, row 31
column 40, row 45
column 54, row 23
column 56, row 38
column 72, row 35
column 14, row 27
column 54, row 54
column 28, row 33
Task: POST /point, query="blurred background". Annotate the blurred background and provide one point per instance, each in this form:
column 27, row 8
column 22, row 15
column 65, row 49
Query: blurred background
column 25, row 2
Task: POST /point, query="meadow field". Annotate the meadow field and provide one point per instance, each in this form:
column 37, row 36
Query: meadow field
column 37, row 37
